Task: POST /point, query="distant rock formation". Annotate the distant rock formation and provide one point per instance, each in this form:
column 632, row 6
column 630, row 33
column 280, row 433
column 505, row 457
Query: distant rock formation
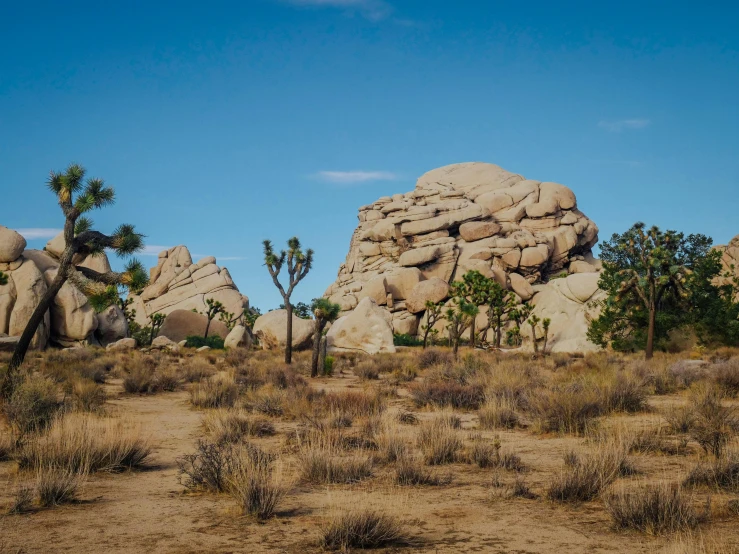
column 176, row 283
column 471, row 216
column 729, row 261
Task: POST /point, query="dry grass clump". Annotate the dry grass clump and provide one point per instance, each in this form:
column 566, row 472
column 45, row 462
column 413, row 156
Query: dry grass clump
column 584, row 478
column 367, row 370
column 22, row 500
column 355, row 404
column 87, row 396
column 715, row 423
column 409, row 472
column 33, row 405
column 687, row 372
column 486, row 454
column 654, row 441
column 391, row 446
column 56, row 486
column 320, row 463
column 521, row 489
column 252, row 484
column 139, row 376
column 77, row 363
column 7, row 446
column 654, row 510
column 362, row 528
column 680, row 419
column 726, row 375
column 195, row 369
column 268, row 401
column 625, row 393
column 214, row 392
column 498, row 413
column 433, row 356
column 439, row 442
column 233, row 425
column 167, row 379
column 573, row 408
column 82, row 443
column 720, row 474
column 512, row 381
column 447, row 394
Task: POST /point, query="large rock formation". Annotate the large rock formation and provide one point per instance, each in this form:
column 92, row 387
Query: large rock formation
column 462, row 217
column 176, row 283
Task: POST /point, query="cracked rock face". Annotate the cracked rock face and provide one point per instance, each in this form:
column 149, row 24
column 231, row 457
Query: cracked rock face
column 462, row 217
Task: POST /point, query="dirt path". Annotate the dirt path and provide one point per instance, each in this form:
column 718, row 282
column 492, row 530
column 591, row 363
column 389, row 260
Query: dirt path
column 143, row 511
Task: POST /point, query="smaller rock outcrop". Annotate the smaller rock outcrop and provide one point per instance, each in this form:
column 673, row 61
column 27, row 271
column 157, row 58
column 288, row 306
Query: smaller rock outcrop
column 112, row 325
column 180, row 324
column 123, row 344
column 368, row 328
column 271, row 329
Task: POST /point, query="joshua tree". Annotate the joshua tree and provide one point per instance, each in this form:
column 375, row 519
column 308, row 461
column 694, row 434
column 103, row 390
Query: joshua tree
column 324, row 311
column 433, row 315
column 518, row 315
column 298, row 266
column 250, row 316
column 214, row 308
column 157, row 320
column 501, row 303
column 478, row 290
column 458, row 319
column 77, row 197
column 646, row 272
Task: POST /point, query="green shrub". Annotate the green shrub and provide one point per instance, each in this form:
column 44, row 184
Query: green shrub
column 215, row 342
column 406, row 340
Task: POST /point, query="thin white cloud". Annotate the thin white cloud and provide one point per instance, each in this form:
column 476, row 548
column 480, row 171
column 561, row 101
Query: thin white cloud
column 624, row 124
column 374, row 10
column 354, row 177
column 33, row 233
column 152, row 250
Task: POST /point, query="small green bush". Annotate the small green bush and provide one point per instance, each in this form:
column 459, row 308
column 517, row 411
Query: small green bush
column 215, row 342
column 406, row 340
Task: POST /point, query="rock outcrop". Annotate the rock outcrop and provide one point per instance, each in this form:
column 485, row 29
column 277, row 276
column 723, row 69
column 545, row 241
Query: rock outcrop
column 12, row 245
column 271, row 330
column 729, row 261
column 368, row 328
column 462, row 217
column 180, row 324
column 176, row 283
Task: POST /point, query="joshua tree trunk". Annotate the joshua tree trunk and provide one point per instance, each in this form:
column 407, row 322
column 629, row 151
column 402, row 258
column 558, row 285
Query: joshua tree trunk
column 425, row 337
column 322, row 354
column 207, row 328
column 289, row 338
column 317, row 336
column 650, row 332
column 472, row 333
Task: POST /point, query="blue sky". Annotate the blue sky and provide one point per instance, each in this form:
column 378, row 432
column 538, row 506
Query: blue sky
column 224, row 123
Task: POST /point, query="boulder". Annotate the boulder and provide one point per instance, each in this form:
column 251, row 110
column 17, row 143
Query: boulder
column 433, row 290
column 28, row 286
column 12, row 245
column 164, row 343
column 239, row 337
column 366, row 329
column 476, row 230
column 112, row 325
column 8, row 344
column 72, row 317
column 274, row 325
column 400, row 282
column 180, row 324
column 122, row 344
column 521, row 286
column 202, row 349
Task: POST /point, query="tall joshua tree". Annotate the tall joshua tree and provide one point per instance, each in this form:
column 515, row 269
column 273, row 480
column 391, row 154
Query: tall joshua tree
column 214, row 308
column 77, row 196
column 324, row 311
column 299, row 264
